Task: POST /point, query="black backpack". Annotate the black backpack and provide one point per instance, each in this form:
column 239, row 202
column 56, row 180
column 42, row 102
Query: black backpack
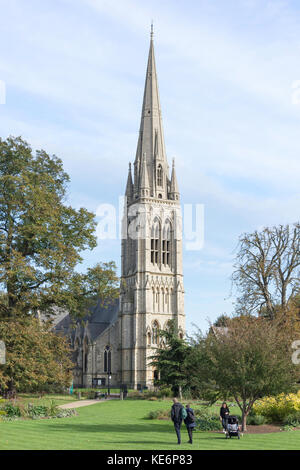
column 190, row 417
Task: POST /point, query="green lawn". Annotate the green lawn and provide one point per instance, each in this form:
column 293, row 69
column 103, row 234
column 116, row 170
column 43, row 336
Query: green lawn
column 117, row 425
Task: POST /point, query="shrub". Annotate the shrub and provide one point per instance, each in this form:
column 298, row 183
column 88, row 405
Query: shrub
column 145, row 395
column 277, row 409
column 136, row 395
column 148, row 394
column 292, row 420
column 159, row 414
column 67, row 413
column 53, row 409
column 256, row 420
column 166, row 392
column 207, row 421
column 11, row 410
column 36, row 411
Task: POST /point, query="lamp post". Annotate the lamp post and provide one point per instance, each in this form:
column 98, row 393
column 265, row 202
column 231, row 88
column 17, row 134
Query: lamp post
column 108, row 383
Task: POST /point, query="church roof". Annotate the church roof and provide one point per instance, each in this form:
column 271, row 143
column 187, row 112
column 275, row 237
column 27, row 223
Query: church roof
column 100, row 318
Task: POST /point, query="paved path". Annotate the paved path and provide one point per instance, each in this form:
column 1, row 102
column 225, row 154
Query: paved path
column 79, row 403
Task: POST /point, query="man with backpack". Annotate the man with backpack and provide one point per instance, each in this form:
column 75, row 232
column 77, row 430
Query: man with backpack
column 190, row 423
column 178, row 413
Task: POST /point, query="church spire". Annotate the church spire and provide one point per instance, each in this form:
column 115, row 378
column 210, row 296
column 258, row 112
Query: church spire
column 151, row 136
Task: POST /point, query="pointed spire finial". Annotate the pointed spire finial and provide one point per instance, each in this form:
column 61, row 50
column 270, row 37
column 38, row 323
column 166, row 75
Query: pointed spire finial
column 151, row 32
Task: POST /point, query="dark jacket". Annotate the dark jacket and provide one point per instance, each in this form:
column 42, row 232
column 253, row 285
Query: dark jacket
column 176, row 415
column 224, row 412
column 188, row 422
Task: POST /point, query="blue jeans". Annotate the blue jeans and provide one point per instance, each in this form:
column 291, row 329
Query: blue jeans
column 177, row 430
column 190, row 432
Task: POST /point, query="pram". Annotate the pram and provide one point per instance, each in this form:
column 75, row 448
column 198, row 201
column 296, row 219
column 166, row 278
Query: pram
column 232, row 427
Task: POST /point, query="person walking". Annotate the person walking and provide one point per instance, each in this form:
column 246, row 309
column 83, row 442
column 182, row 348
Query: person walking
column 190, row 422
column 224, row 413
column 177, row 415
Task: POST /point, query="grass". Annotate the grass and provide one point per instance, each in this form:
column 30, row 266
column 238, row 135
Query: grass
column 37, row 399
column 117, row 425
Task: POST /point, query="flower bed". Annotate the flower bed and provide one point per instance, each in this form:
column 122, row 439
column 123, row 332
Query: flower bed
column 11, row 410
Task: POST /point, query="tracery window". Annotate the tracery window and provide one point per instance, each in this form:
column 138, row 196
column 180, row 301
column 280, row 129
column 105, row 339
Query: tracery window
column 85, row 355
column 107, row 360
column 155, row 242
column 166, row 244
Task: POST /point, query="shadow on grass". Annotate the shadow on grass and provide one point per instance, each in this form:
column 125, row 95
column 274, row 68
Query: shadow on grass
column 130, row 431
column 109, row 428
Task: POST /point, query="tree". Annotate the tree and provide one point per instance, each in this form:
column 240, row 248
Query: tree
column 267, row 269
column 84, row 290
column 170, row 360
column 36, row 357
column 41, row 238
column 250, row 360
column 222, row 321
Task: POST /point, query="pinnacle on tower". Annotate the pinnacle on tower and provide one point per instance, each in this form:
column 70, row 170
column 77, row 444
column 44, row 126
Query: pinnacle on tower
column 174, row 191
column 129, row 186
column 144, row 179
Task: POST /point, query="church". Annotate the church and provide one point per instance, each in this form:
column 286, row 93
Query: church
column 114, row 343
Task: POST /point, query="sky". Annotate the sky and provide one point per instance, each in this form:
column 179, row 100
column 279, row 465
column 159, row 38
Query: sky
column 73, row 72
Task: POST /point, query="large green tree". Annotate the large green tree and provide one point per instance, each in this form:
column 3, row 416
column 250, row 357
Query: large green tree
column 36, row 358
column 170, row 360
column 249, row 359
column 42, row 237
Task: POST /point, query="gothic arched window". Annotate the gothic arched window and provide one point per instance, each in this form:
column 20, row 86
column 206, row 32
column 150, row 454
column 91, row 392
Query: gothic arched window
column 166, row 244
column 85, row 354
column 155, row 375
column 159, row 175
column 155, row 242
column 107, row 360
column 77, row 351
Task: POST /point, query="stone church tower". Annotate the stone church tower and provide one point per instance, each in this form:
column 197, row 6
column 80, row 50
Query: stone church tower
column 113, row 344
column 152, row 278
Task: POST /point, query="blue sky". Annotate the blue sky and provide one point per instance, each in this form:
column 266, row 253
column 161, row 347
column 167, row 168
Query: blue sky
column 74, row 72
